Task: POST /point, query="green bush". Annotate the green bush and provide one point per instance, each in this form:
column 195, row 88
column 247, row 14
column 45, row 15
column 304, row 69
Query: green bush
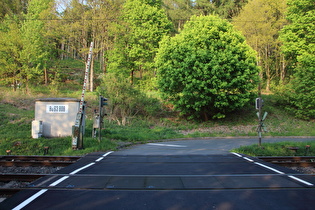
column 298, row 96
column 125, row 101
column 207, row 70
column 303, row 84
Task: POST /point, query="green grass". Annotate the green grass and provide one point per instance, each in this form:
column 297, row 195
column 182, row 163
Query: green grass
column 15, row 135
column 279, row 149
column 17, row 113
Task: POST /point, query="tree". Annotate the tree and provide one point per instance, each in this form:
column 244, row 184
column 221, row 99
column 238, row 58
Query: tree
column 299, row 48
column 36, row 51
column 125, row 101
column 207, row 70
column 179, row 11
column 299, row 36
column 12, row 7
column 223, row 8
column 146, row 25
column 10, row 47
column 260, row 21
column 302, row 96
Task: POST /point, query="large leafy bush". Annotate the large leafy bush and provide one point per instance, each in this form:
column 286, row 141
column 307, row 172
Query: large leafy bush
column 298, row 39
column 302, row 97
column 125, row 101
column 207, row 70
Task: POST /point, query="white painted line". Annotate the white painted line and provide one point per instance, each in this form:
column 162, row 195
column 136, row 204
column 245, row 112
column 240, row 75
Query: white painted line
column 101, row 158
column 275, row 170
column 236, row 154
column 107, row 153
column 36, row 195
column 166, row 145
column 250, row 160
column 80, row 169
column 30, row 199
column 58, row 181
column 301, row 180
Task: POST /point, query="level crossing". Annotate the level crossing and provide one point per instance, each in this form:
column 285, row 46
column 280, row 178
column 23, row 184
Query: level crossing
column 168, row 175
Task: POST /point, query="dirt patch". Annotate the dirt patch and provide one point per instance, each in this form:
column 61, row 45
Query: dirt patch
column 245, row 129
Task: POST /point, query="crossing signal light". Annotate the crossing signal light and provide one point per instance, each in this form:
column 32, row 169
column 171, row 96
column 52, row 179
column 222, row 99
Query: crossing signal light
column 259, row 103
column 103, row 101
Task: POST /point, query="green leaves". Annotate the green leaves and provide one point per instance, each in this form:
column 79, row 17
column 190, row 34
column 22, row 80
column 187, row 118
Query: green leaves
column 298, row 46
column 146, row 24
column 207, row 70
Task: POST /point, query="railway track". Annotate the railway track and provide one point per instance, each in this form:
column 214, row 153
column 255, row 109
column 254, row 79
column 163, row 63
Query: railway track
column 23, row 161
column 25, row 179
column 291, row 161
column 20, row 180
column 51, row 161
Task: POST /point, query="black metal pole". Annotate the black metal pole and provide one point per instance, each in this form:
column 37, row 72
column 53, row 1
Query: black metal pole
column 100, row 110
column 259, row 115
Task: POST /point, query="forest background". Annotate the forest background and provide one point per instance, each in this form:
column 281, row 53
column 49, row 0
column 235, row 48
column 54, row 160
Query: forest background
column 44, row 43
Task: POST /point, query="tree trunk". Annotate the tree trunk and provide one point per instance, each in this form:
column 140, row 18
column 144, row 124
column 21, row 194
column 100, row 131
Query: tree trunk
column 131, row 76
column 46, row 76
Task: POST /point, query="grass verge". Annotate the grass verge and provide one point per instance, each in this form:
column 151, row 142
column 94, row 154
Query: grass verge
column 279, row 149
column 17, row 113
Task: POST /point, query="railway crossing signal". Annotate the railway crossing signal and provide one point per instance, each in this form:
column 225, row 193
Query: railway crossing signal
column 78, row 128
column 98, row 117
column 259, row 103
column 103, row 101
column 261, row 117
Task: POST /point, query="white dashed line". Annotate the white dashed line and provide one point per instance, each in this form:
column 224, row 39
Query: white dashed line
column 166, row 145
column 39, row 193
column 58, row 181
column 237, row 154
column 80, row 169
column 273, row 169
column 270, row 168
column 30, row 199
column 250, row 160
column 301, row 180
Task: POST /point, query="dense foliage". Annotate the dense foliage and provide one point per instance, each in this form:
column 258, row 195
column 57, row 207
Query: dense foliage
column 207, row 70
column 37, row 37
column 145, row 24
column 299, row 47
column 125, row 101
column 260, row 21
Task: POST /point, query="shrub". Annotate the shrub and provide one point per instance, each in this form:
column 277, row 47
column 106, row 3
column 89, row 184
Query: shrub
column 125, row 101
column 207, row 70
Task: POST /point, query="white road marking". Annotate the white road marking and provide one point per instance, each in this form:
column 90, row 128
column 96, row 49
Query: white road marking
column 166, row 145
column 30, row 199
column 101, row 158
column 98, row 160
column 273, row 169
column 270, row 168
column 58, row 181
column 80, row 169
column 39, row 193
column 237, row 154
column 301, row 180
column 107, row 153
column 250, row 160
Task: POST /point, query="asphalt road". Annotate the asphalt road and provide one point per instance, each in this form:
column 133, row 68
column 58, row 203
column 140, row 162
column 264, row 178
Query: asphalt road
column 184, row 174
column 204, row 146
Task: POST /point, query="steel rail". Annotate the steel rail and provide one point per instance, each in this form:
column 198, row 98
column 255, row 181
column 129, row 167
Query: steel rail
column 301, row 161
column 20, row 177
column 23, row 161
